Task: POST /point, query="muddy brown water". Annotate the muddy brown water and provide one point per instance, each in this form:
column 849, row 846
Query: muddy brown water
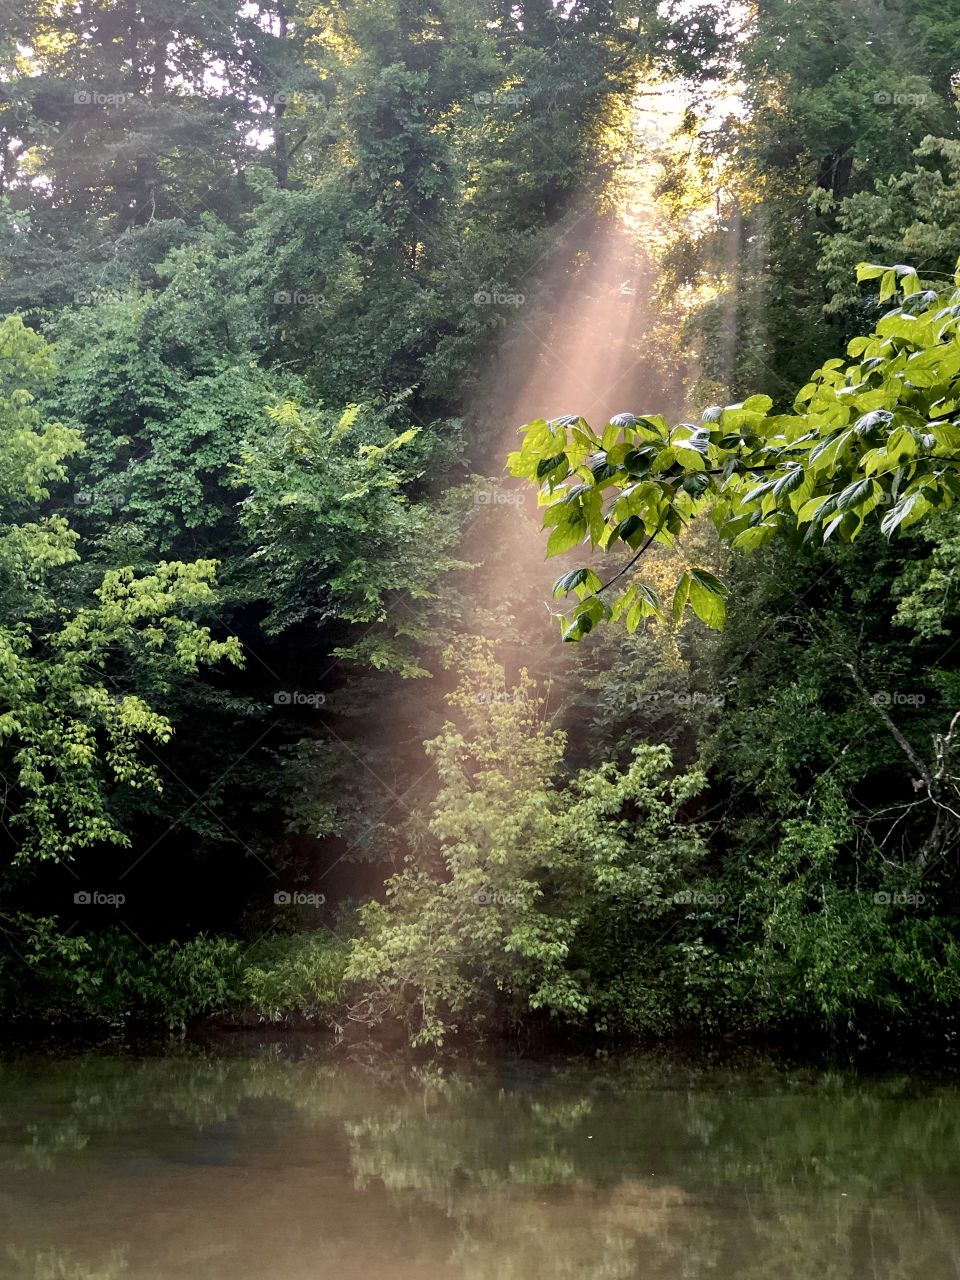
column 271, row 1164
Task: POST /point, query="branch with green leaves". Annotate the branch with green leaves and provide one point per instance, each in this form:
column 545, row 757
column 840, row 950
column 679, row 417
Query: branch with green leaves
column 874, row 436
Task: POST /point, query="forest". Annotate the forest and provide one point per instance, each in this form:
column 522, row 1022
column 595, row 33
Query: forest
column 478, row 552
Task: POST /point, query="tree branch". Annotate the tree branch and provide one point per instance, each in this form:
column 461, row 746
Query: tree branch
column 631, row 563
column 901, row 741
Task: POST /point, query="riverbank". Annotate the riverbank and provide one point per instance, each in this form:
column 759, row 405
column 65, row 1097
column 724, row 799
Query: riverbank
column 930, row 1049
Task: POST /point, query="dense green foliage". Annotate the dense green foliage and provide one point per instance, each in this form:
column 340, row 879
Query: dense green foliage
column 877, row 433
column 286, row 729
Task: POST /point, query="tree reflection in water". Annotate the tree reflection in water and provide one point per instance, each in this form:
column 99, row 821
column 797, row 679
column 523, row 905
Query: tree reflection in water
column 272, row 1165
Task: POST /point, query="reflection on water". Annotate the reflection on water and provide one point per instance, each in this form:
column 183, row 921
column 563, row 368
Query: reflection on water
column 267, row 1165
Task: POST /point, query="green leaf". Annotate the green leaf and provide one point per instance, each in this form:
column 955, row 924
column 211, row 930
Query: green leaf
column 689, row 457
column 707, row 603
column 623, row 602
column 829, row 449
column 565, row 536
column 909, row 282
column 546, row 465
column 855, row 493
column 577, row 629
column 681, row 595
column 751, row 539
column 628, row 529
column 878, row 418
column 906, row 512
column 787, row 483
column 758, row 404
column 611, row 434
column 568, row 581
column 709, row 582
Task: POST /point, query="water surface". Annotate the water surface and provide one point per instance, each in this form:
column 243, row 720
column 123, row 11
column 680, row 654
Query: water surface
column 272, row 1164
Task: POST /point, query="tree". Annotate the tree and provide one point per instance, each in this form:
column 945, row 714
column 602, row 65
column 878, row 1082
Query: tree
column 829, row 102
column 519, row 896
column 913, row 216
column 335, row 535
column 136, row 121
column 83, row 658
